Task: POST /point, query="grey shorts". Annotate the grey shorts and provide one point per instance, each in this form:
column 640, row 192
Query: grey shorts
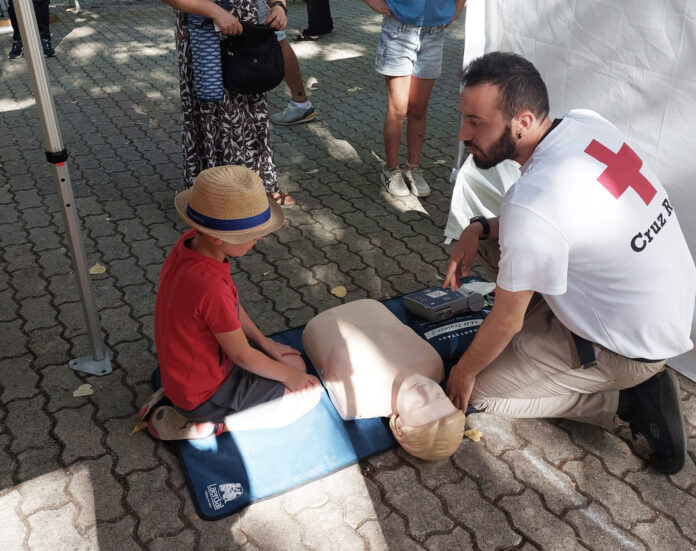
column 241, row 390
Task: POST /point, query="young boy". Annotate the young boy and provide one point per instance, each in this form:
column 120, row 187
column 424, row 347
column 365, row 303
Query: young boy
column 209, row 370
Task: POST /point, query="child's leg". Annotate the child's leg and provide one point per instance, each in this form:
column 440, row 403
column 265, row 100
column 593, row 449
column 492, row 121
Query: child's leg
column 279, row 412
column 419, row 94
column 398, row 92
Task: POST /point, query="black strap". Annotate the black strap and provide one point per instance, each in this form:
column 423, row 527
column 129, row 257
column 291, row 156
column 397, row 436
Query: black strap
column 587, row 355
column 585, row 351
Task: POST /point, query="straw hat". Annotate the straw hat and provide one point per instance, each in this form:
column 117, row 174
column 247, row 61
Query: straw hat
column 230, row 203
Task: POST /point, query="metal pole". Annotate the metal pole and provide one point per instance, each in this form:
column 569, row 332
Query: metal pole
column 100, row 362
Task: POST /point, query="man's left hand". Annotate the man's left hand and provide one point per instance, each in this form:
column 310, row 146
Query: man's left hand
column 276, row 18
column 459, row 387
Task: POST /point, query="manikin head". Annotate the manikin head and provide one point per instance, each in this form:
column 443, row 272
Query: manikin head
column 503, row 101
column 426, row 424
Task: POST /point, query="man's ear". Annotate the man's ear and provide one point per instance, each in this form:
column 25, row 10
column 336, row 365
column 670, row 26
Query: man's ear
column 523, row 122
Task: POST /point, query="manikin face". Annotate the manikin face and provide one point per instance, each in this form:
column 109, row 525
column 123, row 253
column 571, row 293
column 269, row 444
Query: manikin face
column 488, row 136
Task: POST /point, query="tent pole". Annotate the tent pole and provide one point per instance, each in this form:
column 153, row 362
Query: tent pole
column 100, row 362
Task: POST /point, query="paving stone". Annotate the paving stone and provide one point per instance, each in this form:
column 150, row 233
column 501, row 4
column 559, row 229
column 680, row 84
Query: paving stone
column 80, row 437
column 537, row 524
column 490, row 473
column 598, row 531
column 185, row 540
column 46, row 491
column 658, row 492
column 54, row 529
column 13, row 529
column 156, row 506
column 97, row 492
column 624, row 504
column 59, row 382
column 17, row 378
column 663, row 534
column 432, row 474
column 422, row 510
column 119, row 326
column 370, row 281
column 487, row 523
column 268, row 527
column 12, row 339
column 132, row 451
column 458, row 540
column 498, row 432
column 136, row 359
column 28, row 283
column 326, row 534
column 28, row 423
column 531, row 470
column 612, row 450
column 388, row 534
column 111, row 397
column 37, row 461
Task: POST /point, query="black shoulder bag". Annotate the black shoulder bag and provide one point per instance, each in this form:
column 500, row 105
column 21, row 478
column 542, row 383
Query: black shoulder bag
column 252, row 62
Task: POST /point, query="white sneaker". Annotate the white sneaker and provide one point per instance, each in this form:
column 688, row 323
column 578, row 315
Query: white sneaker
column 293, row 114
column 414, row 178
column 394, row 182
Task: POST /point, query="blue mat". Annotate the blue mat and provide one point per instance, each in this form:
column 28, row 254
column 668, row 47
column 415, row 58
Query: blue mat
column 227, row 473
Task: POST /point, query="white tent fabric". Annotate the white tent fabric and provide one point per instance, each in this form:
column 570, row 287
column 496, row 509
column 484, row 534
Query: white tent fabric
column 633, row 61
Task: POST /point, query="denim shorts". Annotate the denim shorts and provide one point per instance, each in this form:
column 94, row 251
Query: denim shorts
column 405, row 50
column 263, row 13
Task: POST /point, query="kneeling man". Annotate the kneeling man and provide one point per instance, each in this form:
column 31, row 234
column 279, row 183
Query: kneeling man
column 589, row 227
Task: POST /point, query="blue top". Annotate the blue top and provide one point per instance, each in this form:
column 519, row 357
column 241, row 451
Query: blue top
column 423, row 13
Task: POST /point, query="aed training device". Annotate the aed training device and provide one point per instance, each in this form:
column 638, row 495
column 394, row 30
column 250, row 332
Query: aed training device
column 437, row 304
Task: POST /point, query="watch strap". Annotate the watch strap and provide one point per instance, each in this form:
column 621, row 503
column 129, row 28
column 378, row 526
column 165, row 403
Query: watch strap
column 484, row 223
column 281, row 4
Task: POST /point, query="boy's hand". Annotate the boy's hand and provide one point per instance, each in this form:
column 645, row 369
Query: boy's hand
column 277, row 350
column 297, row 381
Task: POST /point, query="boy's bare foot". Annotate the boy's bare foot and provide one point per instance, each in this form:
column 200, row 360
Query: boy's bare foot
column 283, row 199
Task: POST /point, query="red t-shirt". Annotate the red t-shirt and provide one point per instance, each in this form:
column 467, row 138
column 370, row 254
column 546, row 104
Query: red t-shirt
column 196, row 299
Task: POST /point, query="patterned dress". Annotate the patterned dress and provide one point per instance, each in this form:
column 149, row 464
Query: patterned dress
column 233, row 131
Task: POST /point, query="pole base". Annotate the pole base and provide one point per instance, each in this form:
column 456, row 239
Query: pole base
column 94, row 367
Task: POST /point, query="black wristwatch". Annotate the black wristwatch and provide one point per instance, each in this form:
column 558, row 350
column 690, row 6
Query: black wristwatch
column 486, row 226
column 281, row 4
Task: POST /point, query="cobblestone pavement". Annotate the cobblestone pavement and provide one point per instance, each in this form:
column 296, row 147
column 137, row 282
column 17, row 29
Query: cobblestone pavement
column 71, row 474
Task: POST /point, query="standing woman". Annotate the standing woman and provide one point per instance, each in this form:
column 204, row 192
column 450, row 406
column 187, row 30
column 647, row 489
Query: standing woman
column 219, row 127
column 409, row 55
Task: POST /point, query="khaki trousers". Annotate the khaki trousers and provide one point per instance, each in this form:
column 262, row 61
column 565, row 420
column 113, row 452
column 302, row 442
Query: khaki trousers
column 539, row 373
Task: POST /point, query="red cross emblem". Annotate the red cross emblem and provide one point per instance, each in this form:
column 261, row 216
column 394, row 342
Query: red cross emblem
column 622, row 172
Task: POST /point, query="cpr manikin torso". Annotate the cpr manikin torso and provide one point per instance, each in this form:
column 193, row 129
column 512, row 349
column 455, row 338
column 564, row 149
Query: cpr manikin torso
column 375, row 366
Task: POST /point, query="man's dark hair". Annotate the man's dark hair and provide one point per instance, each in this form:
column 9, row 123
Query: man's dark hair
column 520, row 84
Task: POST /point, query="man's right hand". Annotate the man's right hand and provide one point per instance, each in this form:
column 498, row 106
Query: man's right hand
column 462, row 257
column 380, row 6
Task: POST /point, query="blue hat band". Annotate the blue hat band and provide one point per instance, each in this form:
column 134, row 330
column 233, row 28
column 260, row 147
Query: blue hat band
column 220, row 224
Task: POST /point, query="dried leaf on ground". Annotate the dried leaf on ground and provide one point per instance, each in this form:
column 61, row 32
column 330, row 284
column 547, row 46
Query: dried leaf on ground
column 339, row 291
column 139, row 425
column 473, row 434
column 83, row 390
column 97, row 269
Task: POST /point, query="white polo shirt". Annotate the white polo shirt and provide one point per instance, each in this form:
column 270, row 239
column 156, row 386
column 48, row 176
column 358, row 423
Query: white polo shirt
column 590, row 226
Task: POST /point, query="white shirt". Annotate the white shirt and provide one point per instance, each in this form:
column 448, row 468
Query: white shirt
column 602, row 245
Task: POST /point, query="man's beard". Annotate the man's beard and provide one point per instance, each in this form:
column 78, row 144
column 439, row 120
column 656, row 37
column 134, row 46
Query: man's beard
column 504, row 147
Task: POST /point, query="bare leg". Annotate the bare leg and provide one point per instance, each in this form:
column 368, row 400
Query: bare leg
column 293, row 74
column 419, row 94
column 280, row 412
column 398, row 100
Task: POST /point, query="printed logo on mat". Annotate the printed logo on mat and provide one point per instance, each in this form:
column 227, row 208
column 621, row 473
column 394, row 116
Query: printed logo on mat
column 218, row 495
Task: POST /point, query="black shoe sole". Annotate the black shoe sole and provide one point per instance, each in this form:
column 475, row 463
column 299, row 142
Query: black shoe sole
column 672, row 420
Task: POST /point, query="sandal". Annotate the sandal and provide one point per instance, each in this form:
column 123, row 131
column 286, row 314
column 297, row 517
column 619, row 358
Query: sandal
column 166, row 423
column 283, row 199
